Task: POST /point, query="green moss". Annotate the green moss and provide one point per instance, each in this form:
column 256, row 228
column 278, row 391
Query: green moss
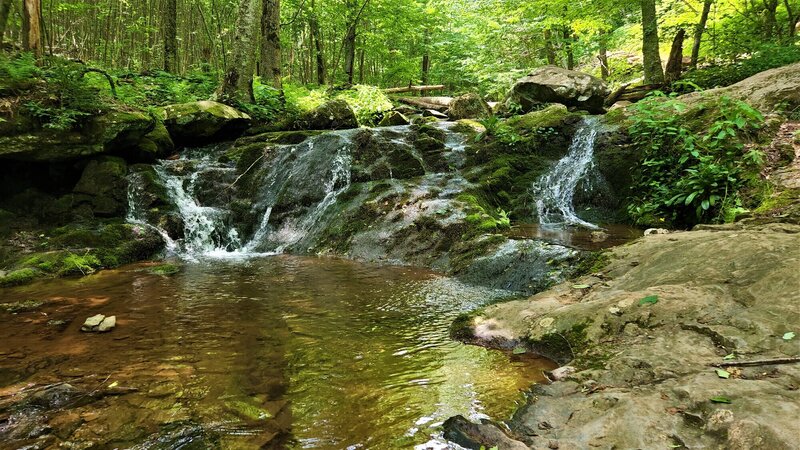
column 562, row 346
column 85, row 264
column 18, row 277
column 461, row 329
column 592, row 262
column 248, row 411
column 772, row 202
column 551, row 117
column 164, row 269
column 18, row 307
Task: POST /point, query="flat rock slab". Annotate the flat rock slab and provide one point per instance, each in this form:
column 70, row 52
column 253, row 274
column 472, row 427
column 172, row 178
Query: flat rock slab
column 99, row 323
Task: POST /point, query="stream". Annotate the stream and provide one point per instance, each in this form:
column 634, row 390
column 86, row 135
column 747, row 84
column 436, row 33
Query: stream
column 286, row 351
column 250, row 347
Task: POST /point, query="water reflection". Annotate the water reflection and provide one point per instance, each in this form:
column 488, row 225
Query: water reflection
column 263, row 353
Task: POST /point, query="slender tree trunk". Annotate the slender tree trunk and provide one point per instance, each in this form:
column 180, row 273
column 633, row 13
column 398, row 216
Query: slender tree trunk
column 770, row 18
column 653, row 72
column 603, row 56
column 570, row 51
column 792, row 18
column 171, row 36
column 350, row 40
column 270, row 68
column 237, row 81
column 5, row 9
column 549, row 49
column 313, row 25
column 698, row 32
column 426, row 58
column 675, row 61
column 32, row 27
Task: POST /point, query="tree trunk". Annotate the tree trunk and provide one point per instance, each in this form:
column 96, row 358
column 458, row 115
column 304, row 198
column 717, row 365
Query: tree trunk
column 32, row 26
column 5, row 9
column 426, row 58
column 237, row 81
column 653, row 72
column 549, row 49
column 570, row 50
column 350, row 40
column 270, row 67
column 603, row 56
column 361, row 57
column 171, row 36
column 698, row 32
column 792, row 18
column 313, row 24
column 675, row 61
column 770, row 18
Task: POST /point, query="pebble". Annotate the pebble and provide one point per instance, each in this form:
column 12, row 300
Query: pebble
column 99, row 323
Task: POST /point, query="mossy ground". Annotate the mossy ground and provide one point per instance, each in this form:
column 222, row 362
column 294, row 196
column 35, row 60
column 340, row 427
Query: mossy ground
column 76, row 250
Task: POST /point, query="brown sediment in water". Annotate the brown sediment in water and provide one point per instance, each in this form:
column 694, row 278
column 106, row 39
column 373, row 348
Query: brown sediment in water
column 306, row 352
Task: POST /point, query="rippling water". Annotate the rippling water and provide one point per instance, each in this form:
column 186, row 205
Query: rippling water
column 263, row 353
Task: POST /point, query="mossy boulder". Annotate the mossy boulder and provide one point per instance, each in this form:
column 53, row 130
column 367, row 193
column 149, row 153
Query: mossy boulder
column 393, row 118
column 155, row 145
column 104, row 184
column 331, row 115
column 468, row 106
column 112, row 132
column 202, row 121
column 551, row 84
column 552, row 116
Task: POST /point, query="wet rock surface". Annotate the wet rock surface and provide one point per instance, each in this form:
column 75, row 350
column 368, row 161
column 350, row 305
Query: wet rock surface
column 644, row 338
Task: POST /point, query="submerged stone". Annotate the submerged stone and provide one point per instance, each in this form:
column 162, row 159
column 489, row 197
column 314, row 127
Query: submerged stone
column 92, row 322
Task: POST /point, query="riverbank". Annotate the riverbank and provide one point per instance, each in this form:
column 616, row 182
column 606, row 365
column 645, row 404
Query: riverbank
column 645, row 336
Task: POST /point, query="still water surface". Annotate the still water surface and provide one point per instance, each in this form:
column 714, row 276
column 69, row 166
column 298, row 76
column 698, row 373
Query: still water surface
column 271, row 352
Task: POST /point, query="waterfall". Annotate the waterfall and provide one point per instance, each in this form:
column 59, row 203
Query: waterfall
column 555, row 190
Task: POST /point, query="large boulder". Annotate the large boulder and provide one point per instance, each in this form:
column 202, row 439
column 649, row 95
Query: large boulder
column 104, row 185
column 331, row 115
column 469, row 106
column 198, row 122
column 551, row 84
column 766, row 91
column 111, row 132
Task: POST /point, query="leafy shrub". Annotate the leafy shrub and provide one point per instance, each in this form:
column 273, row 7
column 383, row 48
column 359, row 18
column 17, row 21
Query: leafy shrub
column 18, row 73
column 368, row 102
column 691, row 171
column 70, row 97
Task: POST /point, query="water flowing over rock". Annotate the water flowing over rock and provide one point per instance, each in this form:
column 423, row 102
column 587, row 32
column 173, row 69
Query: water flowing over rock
column 555, row 191
column 390, row 194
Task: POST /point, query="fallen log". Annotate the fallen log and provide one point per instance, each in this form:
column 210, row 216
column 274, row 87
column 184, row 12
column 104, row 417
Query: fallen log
column 758, row 362
column 398, row 90
column 440, row 104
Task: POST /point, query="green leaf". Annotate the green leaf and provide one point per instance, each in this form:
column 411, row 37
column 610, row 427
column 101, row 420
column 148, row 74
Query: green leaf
column 580, row 286
column 519, row 351
column 788, row 336
column 729, row 357
column 720, row 399
column 723, row 373
column 705, row 205
column 649, row 300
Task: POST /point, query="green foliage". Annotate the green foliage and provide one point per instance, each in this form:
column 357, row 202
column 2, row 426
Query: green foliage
column 158, row 88
column 695, row 160
column 18, row 72
column 69, row 96
column 498, row 129
column 769, row 56
column 18, row 277
column 368, row 102
column 478, row 215
column 79, row 265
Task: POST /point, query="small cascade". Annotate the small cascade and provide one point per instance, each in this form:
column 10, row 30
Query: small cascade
column 305, row 179
column 206, row 224
column 555, row 190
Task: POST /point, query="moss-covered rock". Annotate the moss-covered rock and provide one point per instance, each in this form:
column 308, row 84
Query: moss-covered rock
column 468, row 106
column 331, row 115
column 114, row 131
column 104, row 184
column 202, row 121
column 392, row 119
column 18, row 277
